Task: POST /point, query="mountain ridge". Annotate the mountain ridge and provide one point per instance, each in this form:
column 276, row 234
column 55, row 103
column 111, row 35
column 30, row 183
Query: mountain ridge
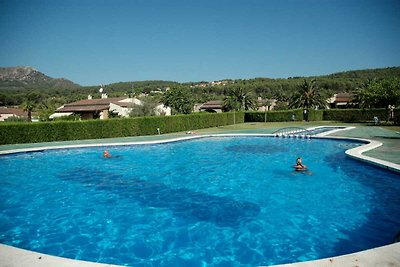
column 26, row 77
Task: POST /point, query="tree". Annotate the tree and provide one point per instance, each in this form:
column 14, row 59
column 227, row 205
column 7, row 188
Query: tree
column 363, row 96
column 48, row 107
column 146, row 108
column 32, row 99
column 239, row 99
column 28, row 107
column 379, row 94
column 308, row 96
column 180, row 100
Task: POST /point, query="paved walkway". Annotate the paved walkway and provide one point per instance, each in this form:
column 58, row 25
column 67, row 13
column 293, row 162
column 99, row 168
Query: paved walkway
column 389, row 151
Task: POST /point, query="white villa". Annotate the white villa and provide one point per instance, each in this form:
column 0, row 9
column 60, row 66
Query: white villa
column 100, row 108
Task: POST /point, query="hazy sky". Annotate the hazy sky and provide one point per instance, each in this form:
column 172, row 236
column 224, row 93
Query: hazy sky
column 92, row 42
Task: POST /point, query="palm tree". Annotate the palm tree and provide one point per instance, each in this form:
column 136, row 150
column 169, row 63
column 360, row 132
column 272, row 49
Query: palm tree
column 239, row 99
column 364, row 97
column 28, row 106
column 180, row 99
column 308, row 96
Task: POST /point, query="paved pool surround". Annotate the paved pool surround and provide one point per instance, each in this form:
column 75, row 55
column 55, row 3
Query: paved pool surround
column 382, row 256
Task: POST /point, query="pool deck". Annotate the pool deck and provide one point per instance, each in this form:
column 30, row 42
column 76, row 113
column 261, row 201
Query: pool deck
column 383, row 150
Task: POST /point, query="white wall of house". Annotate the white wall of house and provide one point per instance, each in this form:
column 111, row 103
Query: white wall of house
column 3, row 117
column 162, row 110
column 131, row 100
column 121, row 111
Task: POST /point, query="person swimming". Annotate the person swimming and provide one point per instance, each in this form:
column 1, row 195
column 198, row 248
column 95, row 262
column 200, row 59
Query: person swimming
column 106, row 154
column 299, row 165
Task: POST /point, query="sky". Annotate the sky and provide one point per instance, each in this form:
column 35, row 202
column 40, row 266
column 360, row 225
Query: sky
column 94, row 42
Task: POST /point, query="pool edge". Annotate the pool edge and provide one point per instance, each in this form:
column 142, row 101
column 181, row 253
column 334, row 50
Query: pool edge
column 388, row 255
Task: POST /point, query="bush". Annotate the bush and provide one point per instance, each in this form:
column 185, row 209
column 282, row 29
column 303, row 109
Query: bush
column 274, row 116
column 14, row 133
column 354, row 115
column 16, row 119
column 315, row 115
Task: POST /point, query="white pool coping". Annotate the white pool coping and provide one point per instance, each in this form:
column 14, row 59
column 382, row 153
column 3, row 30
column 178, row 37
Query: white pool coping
column 381, row 256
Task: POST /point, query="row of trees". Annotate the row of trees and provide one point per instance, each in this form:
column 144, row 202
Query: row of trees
column 307, row 95
column 379, row 93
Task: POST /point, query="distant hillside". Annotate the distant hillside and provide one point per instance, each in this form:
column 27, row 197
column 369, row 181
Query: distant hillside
column 367, row 74
column 137, row 86
column 29, row 78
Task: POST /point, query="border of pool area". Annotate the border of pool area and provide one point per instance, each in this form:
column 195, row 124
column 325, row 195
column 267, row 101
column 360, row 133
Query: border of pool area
column 381, row 256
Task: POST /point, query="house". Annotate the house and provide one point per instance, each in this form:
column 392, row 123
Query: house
column 266, row 104
column 213, row 106
column 6, row 113
column 100, row 108
column 341, row 100
column 216, row 106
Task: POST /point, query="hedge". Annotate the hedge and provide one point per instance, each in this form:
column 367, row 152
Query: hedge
column 355, row 115
column 282, row 115
column 273, row 116
column 345, row 115
column 15, row 133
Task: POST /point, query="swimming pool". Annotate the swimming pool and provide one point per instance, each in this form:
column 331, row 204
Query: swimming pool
column 228, row 201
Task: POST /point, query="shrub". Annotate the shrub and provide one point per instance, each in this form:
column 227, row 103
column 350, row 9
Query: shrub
column 315, row 115
column 273, row 116
column 354, row 115
column 14, row 133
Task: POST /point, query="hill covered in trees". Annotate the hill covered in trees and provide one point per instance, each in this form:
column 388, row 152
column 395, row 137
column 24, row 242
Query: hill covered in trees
column 337, row 82
column 16, row 83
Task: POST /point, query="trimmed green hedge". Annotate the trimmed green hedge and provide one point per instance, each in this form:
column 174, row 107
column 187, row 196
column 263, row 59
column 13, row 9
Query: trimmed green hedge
column 15, row 133
column 282, row 115
column 315, row 115
column 354, row 115
column 273, row 116
column 345, row 115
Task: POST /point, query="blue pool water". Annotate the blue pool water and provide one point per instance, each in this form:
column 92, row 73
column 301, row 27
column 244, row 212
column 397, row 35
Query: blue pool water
column 228, row 201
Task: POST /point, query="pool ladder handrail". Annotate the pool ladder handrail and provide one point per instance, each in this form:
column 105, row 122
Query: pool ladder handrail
column 295, row 132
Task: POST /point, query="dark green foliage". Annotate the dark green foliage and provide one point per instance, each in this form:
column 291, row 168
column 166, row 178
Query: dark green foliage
column 239, row 99
column 309, row 95
column 14, row 133
column 180, row 100
column 16, row 119
column 315, row 115
column 274, row 116
column 280, row 89
column 354, row 115
column 379, row 93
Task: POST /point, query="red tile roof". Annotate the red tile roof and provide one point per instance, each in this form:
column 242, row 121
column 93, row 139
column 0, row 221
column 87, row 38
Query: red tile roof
column 93, row 104
column 15, row 111
column 100, row 101
column 83, row 108
column 212, row 104
column 344, row 97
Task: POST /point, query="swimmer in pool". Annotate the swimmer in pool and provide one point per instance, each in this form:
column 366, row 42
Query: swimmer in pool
column 106, row 154
column 299, row 165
